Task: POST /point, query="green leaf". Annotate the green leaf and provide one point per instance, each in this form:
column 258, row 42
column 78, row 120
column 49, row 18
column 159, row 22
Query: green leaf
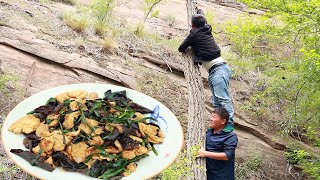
column 154, row 150
column 51, row 100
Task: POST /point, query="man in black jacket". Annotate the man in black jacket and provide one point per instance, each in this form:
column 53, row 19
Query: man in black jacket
column 207, row 53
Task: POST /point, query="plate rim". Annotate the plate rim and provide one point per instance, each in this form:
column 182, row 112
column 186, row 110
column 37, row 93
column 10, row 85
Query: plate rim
column 9, row 154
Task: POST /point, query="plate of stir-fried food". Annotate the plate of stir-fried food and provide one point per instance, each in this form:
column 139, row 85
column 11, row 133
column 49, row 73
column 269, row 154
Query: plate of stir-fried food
column 91, row 131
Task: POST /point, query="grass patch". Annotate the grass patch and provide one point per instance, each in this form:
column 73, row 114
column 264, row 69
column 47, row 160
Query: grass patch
column 164, row 89
column 180, row 169
column 104, row 25
column 151, row 83
column 4, row 22
column 139, row 30
column 171, row 19
column 172, row 44
column 10, row 93
column 210, row 19
column 241, row 66
column 8, row 171
column 100, row 27
column 108, row 45
column 250, row 167
column 76, row 21
column 7, row 79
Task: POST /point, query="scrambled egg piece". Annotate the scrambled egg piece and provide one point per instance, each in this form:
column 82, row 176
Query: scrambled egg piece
column 43, row 131
column 117, row 126
column 55, row 142
column 67, row 152
column 138, row 116
column 78, row 152
column 99, row 131
column 112, row 103
column 54, row 123
column 101, row 157
column 78, row 94
column 50, row 161
column 54, row 118
column 135, row 152
column 154, row 134
column 141, row 150
column 92, row 150
column 113, row 111
column 93, row 96
column 114, row 150
column 90, row 122
column 136, row 138
column 27, row 124
column 36, row 150
column 72, row 134
column 46, row 144
column 131, row 167
column 58, row 141
column 61, row 97
column 59, row 145
column 91, row 161
column 97, row 140
column 69, row 119
column 118, row 145
column 74, row 105
column 128, row 154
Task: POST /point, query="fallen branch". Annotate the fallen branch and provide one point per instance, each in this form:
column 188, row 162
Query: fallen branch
column 28, row 80
column 154, row 59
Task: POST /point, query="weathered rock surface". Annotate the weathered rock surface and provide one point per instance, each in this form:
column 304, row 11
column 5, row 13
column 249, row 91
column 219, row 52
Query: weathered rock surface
column 27, row 42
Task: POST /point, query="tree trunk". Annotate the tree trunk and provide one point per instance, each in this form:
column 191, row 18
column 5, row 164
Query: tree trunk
column 197, row 111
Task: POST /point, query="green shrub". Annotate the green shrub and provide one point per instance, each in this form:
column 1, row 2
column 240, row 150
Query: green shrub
column 210, row 19
column 139, row 30
column 312, row 132
column 310, row 163
column 250, row 167
column 312, row 168
column 102, row 9
column 155, row 13
column 6, row 78
column 296, row 156
column 282, row 47
column 149, row 8
column 180, row 169
column 171, row 19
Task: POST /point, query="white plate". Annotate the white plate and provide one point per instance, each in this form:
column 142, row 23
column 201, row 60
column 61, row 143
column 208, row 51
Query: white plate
column 147, row 167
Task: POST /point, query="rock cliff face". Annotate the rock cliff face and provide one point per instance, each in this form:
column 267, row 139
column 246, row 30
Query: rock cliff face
column 42, row 52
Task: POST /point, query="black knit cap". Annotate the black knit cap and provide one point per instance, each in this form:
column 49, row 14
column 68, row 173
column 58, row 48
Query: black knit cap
column 198, row 20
